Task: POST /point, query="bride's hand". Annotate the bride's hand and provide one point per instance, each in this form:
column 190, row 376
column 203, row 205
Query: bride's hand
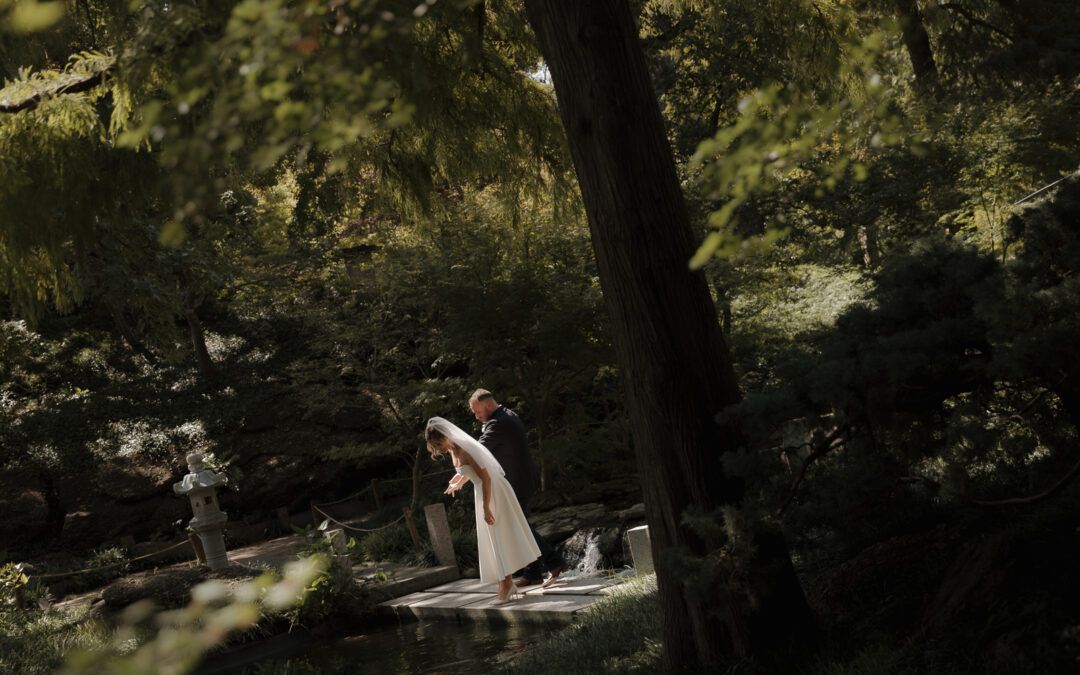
column 489, row 517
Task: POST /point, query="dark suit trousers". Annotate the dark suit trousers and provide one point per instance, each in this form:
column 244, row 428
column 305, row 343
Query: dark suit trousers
column 549, row 557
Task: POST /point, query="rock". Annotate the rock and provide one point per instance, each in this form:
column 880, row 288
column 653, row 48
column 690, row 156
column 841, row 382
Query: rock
column 25, row 513
column 593, row 548
column 547, row 500
column 616, row 493
column 558, row 524
column 610, row 543
column 635, row 512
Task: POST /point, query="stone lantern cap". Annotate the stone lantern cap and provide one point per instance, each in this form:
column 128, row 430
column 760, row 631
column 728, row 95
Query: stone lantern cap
column 199, row 476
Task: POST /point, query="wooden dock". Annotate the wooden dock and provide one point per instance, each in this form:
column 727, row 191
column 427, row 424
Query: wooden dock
column 471, row 600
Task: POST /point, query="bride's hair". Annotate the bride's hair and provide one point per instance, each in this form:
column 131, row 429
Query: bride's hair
column 434, row 439
column 444, row 436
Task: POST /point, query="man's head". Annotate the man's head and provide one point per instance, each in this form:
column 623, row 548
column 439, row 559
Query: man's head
column 483, row 404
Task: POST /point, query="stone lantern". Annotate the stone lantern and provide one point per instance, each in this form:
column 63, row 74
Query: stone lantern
column 200, row 486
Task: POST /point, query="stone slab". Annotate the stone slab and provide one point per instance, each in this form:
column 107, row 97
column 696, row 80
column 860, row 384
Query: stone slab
column 405, row 580
column 570, row 587
column 530, row 609
column 442, row 542
column 431, row 605
column 640, row 549
column 467, row 586
column 425, row 599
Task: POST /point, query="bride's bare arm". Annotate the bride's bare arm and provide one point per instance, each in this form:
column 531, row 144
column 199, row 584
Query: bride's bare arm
column 456, row 483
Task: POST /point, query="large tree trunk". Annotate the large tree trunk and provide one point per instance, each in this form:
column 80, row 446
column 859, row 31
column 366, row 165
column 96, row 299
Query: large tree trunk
column 673, row 359
column 918, row 43
column 116, row 311
column 195, row 329
column 55, row 513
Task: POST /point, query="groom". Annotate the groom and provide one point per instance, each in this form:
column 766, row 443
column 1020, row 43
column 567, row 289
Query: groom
column 504, row 436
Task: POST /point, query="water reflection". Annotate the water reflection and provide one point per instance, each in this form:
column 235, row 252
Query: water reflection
column 411, row 647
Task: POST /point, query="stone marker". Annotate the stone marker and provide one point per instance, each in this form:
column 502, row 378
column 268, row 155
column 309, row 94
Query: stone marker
column 338, row 541
column 439, row 530
column 200, row 486
column 640, row 549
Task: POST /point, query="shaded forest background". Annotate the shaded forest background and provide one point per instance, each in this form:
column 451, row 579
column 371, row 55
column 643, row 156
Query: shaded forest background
column 287, row 233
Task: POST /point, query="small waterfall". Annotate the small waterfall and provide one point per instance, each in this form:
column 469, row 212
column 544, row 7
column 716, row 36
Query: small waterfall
column 582, row 552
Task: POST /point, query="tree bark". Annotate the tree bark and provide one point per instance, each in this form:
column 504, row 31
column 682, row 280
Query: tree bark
column 918, row 43
column 671, row 353
column 55, row 513
column 868, row 245
column 195, row 329
column 417, row 477
column 116, row 311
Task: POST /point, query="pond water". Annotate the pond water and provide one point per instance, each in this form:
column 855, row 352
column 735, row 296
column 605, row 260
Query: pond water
column 410, row 647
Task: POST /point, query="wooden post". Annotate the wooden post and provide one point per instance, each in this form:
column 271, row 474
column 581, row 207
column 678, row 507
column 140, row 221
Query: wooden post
column 196, row 544
column 375, row 493
column 314, row 514
column 20, row 599
column 412, row 526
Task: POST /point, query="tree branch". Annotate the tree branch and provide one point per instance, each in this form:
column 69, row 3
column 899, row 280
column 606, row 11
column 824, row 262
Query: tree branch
column 966, row 13
column 1049, row 492
column 61, row 87
column 89, row 22
column 820, row 451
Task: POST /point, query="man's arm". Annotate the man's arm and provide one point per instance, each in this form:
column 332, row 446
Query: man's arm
column 494, row 438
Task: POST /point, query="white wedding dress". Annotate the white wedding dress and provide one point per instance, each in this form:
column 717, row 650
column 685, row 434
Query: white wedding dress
column 508, row 545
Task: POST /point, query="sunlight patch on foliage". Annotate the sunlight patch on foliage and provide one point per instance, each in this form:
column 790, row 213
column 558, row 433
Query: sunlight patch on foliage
column 807, row 298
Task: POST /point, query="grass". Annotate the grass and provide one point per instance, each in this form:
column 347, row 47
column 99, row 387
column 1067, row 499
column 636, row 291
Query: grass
column 620, row 634
column 37, row 642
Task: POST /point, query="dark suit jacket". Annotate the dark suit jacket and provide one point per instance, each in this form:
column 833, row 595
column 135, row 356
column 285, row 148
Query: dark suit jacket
column 504, row 436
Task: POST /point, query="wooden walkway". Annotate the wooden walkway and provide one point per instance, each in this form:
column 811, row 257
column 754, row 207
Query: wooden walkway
column 471, row 600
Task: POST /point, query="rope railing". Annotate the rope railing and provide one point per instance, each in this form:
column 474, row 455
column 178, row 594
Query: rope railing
column 355, row 529
column 382, row 482
column 426, row 475
column 60, row 575
column 315, row 508
column 345, row 499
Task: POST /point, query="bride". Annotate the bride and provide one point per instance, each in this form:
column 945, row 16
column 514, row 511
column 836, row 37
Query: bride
column 502, row 534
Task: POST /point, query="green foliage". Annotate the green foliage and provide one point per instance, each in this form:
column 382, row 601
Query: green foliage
column 12, row 577
column 944, row 387
column 391, row 543
column 28, row 17
column 332, row 589
column 370, row 207
column 779, row 131
column 176, row 641
column 227, row 467
column 700, row 89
